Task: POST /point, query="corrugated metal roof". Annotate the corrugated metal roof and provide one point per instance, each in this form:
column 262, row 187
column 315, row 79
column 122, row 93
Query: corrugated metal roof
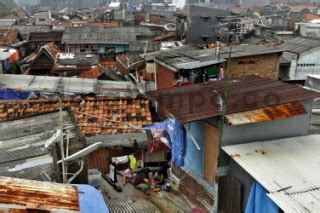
column 77, row 59
column 51, row 84
column 104, row 35
column 25, row 30
column 28, row 196
column 190, row 57
column 46, row 37
column 22, row 153
column 267, row 114
column 198, row 102
column 136, row 205
column 288, row 168
column 300, row 44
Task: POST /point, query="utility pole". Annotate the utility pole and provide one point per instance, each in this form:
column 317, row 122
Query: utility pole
column 64, row 174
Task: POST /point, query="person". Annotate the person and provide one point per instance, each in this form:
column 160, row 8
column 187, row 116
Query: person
column 179, row 81
column 221, row 73
column 185, row 83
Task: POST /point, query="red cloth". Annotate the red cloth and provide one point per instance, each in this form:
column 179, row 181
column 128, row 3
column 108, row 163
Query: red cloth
column 14, row 57
column 184, row 84
column 197, row 210
column 154, row 142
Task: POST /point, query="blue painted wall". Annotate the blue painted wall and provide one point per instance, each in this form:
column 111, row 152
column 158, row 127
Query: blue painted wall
column 193, row 156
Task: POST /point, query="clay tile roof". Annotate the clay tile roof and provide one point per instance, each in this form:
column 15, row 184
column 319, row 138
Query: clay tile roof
column 51, row 49
column 310, row 16
column 94, row 115
column 8, row 36
column 94, row 72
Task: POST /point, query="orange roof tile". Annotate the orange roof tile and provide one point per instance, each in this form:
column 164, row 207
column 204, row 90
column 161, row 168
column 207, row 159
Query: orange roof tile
column 302, row 6
column 164, row 36
column 94, row 72
column 310, row 16
column 109, row 64
column 94, row 115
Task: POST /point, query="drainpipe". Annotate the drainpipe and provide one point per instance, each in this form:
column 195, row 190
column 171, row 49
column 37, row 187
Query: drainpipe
column 296, row 70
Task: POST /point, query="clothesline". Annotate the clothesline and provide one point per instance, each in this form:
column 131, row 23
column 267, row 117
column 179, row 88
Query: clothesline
column 110, row 120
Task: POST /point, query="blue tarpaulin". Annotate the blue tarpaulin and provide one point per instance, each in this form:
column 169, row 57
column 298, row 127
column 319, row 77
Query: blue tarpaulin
column 91, row 200
column 259, row 202
column 16, row 95
column 176, row 136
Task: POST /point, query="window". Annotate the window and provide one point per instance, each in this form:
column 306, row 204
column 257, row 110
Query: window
column 42, row 19
column 247, row 62
column 109, row 53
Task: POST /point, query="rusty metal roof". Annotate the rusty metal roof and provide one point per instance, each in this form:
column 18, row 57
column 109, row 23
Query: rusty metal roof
column 287, row 168
column 27, row 195
column 267, row 114
column 198, row 102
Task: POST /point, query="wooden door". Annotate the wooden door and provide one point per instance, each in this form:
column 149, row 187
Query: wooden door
column 211, row 146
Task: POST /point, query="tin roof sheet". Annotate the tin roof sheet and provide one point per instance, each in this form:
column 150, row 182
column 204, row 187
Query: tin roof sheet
column 288, row 168
column 198, row 102
column 191, row 57
column 67, row 85
column 104, row 35
column 300, row 44
column 267, row 114
column 22, row 141
column 26, row 195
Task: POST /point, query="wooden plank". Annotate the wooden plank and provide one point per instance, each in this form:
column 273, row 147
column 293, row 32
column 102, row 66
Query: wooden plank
column 47, row 196
column 211, row 146
column 229, row 195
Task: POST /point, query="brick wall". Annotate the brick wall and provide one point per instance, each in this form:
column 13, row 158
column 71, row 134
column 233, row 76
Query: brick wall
column 262, row 65
column 165, row 77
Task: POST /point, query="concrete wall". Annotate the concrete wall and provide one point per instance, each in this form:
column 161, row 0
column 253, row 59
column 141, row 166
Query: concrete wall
column 199, row 26
column 43, row 18
column 306, row 63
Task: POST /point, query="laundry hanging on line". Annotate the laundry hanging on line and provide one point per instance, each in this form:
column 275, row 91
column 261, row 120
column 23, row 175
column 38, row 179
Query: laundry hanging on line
column 175, row 136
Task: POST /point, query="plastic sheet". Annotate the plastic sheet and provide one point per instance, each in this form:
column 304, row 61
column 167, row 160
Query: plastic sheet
column 259, row 202
column 91, row 200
